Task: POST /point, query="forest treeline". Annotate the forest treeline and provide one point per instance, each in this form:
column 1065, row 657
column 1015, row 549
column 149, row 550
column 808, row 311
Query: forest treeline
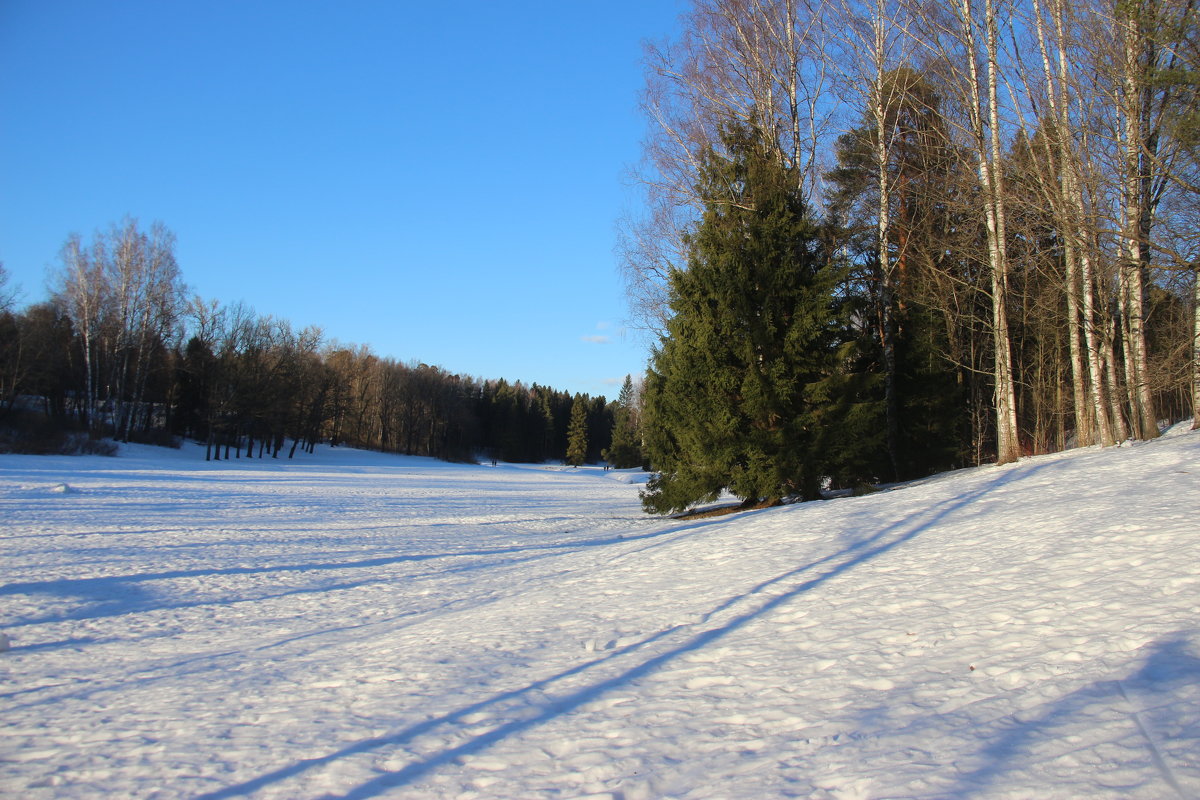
column 119, row 350
column 884, row 238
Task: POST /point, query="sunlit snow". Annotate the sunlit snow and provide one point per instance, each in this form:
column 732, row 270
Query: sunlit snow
column 354, row 625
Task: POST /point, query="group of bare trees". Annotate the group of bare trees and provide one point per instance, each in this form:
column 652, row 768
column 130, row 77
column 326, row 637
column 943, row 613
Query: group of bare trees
column 1013, row 182
column 121, row 350
column 244, row 379
column 123, row 294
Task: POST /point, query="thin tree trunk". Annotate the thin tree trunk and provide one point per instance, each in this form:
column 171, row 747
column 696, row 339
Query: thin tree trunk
column 987, row 137
column 1085, row 424
column 1196, row 349
column 887, row 327
column 1115, row 399
column 1135, row 209
column 1094, row 341
column 1058, row 97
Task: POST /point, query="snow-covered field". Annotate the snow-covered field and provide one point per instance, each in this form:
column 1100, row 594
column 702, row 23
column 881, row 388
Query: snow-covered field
column 352, row 625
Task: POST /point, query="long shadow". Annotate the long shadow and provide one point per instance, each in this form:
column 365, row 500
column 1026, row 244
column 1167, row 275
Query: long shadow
column 857, row 553
column 181, row 668
column 76, row 535
column 1168, row 664
column 112, row 606
column 136, row 601
column 121, row 594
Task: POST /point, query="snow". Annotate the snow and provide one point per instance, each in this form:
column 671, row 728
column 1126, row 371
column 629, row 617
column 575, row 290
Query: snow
column 354, row 625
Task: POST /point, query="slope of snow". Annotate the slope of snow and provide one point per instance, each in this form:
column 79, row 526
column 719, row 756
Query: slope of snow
column 353, row 625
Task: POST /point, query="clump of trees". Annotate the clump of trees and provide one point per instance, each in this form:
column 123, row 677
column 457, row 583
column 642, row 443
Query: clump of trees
column 1005, row 197
column 120, row 350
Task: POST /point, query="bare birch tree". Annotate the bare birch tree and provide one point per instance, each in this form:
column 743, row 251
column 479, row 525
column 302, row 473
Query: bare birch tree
column 146, row 293
column 82, row 293
column 875, row 67
column 760, row 62
column 1138, row 140
column 7, row 293
column 1196, row 347
column 966, row 40
column 1057, row 102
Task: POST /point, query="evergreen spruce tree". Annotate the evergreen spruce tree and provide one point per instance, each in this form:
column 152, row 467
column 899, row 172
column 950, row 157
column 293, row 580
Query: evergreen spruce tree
column 577, row 432
column 744, row 381
column 626, row 449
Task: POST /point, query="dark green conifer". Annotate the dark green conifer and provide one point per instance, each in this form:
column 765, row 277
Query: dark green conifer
column 625, row 451
column 738, row 387
column 577, row 432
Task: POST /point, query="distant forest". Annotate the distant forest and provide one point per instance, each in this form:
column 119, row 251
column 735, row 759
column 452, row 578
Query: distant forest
column 120, row 351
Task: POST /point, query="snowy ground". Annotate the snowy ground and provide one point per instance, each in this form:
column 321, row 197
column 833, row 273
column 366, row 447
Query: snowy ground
column 351, row 625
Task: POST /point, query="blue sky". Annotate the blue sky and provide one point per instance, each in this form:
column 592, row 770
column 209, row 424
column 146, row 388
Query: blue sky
column 440, row 181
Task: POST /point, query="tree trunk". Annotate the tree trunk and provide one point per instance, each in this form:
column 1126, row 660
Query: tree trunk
column 887, row 327
column 1115, row 399
column 1094, row 342
column 1085, row 425
column 1136, row 223
column 1196, row 349
column 987, row 136
column 1090, row 419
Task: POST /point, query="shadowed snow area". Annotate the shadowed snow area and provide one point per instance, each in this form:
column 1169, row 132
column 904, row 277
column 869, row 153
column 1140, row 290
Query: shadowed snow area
column 355, row 625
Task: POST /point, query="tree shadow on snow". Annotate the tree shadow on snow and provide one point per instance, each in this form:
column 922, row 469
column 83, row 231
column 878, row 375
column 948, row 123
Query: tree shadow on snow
column 530, row 706
column 114, row 595
column 1169, row 666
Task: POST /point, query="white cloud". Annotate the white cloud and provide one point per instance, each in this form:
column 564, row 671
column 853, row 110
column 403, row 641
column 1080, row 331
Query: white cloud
column 596, row 339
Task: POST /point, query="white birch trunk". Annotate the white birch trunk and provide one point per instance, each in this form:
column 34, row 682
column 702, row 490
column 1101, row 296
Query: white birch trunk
column 1092, row 414
column 1093, row 342
column 1115, row 399
column 1134, row 210
column 1196, row 350
column 987, row 139
column 1085, row 423
column 82, row 293
column 879, row 109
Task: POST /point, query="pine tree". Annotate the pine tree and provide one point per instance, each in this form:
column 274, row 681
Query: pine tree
column 744, row 382
column 577, row 432
column 625, row 451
